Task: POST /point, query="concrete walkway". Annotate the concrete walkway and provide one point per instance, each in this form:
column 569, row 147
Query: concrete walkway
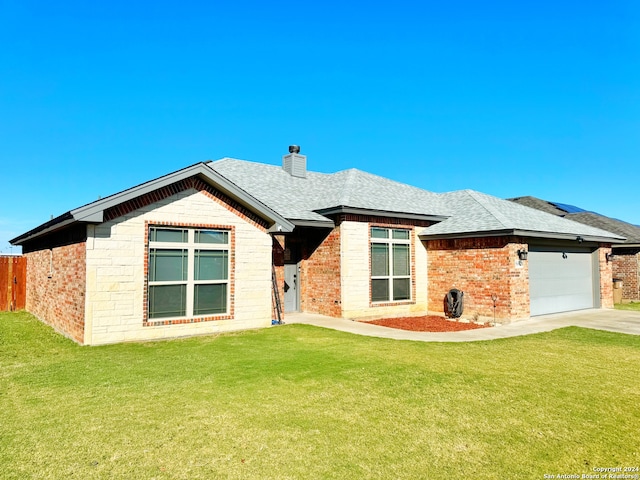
column 620, row 321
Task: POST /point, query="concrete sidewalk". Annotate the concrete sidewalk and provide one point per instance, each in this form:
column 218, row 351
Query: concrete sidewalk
column 620, row 321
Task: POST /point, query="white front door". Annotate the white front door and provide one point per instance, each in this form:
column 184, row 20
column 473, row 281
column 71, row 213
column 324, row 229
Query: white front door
column 291, row 282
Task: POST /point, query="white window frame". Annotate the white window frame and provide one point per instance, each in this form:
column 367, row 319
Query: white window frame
column 390, row 242
column 190, row 246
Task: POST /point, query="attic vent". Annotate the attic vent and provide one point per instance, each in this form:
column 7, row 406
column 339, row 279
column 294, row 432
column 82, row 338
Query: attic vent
column 294, row 163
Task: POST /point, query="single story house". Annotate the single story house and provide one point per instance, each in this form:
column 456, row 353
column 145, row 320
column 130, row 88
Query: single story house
column 626, row 256
column 231, row 244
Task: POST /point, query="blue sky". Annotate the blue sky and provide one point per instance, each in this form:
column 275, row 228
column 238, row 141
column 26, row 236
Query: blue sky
column 509, row 98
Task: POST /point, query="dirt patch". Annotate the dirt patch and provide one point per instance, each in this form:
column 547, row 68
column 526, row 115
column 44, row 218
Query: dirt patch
column 430, row 323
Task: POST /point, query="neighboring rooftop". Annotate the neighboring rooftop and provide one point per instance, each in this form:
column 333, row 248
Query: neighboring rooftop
column 539, row 204
column 624, row 229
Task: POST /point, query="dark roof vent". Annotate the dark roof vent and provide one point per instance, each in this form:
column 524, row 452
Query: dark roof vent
column 294, row 163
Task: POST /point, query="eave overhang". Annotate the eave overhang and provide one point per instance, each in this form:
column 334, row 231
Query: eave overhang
column 379, row 213
column 626, row 245
column 313, row 223
column 522, row 233
column 94, row 212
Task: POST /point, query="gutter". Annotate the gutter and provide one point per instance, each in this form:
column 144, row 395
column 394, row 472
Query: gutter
column 53, row 225
column 523, row 233
column 379, row 213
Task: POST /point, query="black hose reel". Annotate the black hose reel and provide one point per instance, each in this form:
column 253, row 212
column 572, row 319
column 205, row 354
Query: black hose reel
column 455, row 303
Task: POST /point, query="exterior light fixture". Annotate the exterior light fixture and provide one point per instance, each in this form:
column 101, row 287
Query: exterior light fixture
column 580, row 239
column 522, row 254
column 608, row 256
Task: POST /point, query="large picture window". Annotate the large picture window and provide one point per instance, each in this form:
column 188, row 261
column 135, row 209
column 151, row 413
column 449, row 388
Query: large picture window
column 188, row 272
column 390, row 265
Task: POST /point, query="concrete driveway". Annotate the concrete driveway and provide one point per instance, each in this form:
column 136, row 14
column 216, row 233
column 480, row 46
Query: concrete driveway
column 620, row 321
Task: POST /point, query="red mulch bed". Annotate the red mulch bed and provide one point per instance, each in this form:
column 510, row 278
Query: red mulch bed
column 430, row 323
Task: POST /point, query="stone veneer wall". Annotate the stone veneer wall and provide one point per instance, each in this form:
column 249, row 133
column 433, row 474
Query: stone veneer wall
column 116, row 256
column 56, row 282
column 481, row 268
column 355, row 270
column 626, row 266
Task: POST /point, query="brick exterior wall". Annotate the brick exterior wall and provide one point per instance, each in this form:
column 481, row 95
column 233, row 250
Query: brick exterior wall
column 487, row 267
column 606, row 278
column 626, row 267
column 335, row 273
column 481, row 268
column 320, row 288
column 56, row 288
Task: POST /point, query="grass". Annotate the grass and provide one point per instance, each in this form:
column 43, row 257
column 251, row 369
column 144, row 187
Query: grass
column 298, row 402
column 635, row 306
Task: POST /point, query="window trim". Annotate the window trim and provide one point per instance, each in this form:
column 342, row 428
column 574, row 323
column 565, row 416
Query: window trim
column 390, row 242
column 191, row 246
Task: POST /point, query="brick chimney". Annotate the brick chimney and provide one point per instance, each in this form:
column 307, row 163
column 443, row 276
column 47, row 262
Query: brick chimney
column 294, row 163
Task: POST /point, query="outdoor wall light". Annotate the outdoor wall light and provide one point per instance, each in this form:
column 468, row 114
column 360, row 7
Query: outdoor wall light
column 522, row 254
column 580, row 239
column 608, row 256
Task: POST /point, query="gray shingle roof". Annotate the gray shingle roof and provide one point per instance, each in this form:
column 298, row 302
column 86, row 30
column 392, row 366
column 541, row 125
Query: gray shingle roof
column 468, row 211
column 276, row 195
column 299, row 198
column 627, row 230
column 475, row 212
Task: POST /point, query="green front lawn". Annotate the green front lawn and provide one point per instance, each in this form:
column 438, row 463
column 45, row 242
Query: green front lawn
column 635, row 306
column 299, row 402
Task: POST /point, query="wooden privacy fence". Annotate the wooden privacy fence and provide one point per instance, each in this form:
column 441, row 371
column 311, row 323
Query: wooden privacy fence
column 13, row 283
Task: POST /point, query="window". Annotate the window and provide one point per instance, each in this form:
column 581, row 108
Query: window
column 390, row 265
column 188, row 272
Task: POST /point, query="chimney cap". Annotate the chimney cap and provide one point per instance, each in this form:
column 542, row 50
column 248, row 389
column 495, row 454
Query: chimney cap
column 294, row 148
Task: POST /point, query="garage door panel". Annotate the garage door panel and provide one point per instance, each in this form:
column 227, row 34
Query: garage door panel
column 560, row 281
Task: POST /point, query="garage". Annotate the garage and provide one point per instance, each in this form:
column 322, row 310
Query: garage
column 562, row 279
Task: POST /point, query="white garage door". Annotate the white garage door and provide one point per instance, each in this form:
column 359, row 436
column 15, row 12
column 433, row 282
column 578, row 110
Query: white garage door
column 560, row 280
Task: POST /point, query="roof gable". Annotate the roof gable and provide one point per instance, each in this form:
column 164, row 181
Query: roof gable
column 94, row 212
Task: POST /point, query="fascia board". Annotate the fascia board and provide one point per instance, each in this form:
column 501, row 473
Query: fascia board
column 569, row 236
column 425, row 235
column 314, row 223
column 520, row 233
column 47, row 227
column 94, row 211
column 626, row 245
column 379, row 213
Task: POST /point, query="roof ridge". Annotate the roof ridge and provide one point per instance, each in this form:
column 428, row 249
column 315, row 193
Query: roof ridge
column 478, row 197
column 345, row 193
